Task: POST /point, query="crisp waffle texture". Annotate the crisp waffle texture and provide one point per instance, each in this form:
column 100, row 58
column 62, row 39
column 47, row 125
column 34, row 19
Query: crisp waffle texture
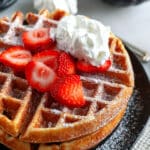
column 29, row 116
column 82, row 143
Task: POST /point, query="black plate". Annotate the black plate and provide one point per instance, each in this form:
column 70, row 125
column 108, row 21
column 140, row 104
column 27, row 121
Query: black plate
column 6, row 3
column 136, row 115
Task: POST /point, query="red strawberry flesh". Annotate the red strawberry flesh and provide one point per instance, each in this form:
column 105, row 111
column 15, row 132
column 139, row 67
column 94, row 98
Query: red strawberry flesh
column 16, row 57
column 40, row 76
column 48, row 57
column 37, row 39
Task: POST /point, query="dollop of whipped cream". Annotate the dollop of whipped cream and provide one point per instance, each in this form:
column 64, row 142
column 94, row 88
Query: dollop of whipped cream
column 69, row 6
column 84, row 38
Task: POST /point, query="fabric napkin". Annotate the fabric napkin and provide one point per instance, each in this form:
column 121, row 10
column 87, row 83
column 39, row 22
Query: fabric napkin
column 143, row 142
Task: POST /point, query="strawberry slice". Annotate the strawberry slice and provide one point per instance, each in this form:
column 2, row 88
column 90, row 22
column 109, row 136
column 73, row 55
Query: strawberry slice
column 86, row 67
column 37, row 39
column 16, row 57
column 48, row 57
column 66, row 65
column 40, row 76
column 68, row 91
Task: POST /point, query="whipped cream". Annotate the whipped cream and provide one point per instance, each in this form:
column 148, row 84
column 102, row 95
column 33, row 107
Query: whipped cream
column 84, row 38
column 69, row 6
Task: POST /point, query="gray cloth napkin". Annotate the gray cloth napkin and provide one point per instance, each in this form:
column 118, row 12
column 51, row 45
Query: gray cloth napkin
column 143, row 141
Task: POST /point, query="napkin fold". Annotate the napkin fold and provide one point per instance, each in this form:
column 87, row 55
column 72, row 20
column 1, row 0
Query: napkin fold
column 143, row 141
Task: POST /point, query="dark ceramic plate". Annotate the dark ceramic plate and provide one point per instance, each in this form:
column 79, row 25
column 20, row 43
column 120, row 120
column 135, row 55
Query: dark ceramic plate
column 6, row 3
column 136, row 115
column 124, row 2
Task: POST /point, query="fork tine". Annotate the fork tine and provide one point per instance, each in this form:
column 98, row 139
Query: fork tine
column 145, row 56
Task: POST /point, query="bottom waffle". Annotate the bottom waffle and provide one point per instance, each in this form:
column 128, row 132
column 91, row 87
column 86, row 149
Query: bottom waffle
column 82, row 143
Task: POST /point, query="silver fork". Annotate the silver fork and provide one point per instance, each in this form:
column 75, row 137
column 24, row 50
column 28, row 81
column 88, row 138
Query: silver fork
column 145, row 56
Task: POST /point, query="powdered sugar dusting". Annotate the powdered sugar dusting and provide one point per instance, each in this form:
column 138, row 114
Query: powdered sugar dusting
column 136, row 114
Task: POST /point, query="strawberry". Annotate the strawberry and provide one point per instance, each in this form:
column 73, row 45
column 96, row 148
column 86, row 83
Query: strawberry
column 85, row 67
column 40, row 76
column 68, row 91
column 37, row 39
column 66, row 65
column 16, row 57
column 48, row 57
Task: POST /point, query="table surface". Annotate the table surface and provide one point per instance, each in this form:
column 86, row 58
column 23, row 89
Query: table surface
column 130, row 23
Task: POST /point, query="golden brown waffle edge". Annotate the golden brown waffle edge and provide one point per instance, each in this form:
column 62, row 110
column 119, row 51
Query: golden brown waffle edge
column 108, row 92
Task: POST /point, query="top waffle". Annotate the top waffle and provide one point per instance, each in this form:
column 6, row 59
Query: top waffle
column 36, row 117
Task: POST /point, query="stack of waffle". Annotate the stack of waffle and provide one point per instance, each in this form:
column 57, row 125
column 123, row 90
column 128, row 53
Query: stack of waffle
column 30, row 120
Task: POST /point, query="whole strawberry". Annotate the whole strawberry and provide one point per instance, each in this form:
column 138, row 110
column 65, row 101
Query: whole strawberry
column 68, row 91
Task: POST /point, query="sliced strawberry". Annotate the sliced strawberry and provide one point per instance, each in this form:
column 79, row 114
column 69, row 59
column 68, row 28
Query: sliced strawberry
column 85, row 67
column 68, row 91
column 37, row 39
column 48, row 57
column 105, row 66
column 66, row 65
column 16, row 57
column 40, row 76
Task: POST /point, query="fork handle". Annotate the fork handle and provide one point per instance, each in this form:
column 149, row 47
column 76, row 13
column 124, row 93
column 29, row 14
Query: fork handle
column 145, row 56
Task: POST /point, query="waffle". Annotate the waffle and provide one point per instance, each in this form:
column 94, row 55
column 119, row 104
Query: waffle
column 34, row 117
column 83, row 143
column 11, row 29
